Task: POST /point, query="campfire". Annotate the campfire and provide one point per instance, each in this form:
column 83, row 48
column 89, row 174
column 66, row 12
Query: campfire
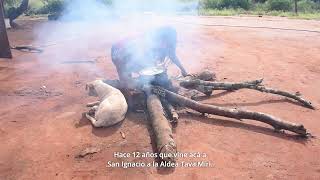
column 159, row 98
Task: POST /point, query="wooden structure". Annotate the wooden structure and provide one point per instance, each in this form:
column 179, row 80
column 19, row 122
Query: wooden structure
column 5, row 51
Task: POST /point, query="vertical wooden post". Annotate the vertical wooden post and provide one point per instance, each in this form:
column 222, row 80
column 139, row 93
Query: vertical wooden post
column 5, row 51
column 296, row 6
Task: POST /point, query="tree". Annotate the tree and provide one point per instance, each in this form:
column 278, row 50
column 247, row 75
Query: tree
column 5, row 51
column 14, row 13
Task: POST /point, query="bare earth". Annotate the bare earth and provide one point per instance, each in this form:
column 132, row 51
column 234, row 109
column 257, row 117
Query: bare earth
column 42, row 129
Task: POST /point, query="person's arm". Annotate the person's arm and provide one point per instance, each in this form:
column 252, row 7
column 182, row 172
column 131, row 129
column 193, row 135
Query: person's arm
column 126, row 81
column 177, row 62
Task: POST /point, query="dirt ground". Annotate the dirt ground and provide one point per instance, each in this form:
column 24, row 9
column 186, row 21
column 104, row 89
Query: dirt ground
column 42, row 98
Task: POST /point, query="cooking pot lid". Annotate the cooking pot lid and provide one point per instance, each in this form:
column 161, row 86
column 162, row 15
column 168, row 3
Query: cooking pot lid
column 151, row 71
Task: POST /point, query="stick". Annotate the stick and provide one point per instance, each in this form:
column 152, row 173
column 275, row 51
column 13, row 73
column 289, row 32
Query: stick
column 277, row 123
column 255, row 85
column 161, row 127
column 77, row 62
column 304, row 102
column 28, row 49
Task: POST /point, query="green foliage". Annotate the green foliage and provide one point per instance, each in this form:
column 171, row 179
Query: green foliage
column 221, row 12
column 308, row 6
column 221, row 4
column 11, row 3
column 52, row 6
column 244, row 4
column 34, row 6
column 260, row 7
column 307, row 9
column 280, row 5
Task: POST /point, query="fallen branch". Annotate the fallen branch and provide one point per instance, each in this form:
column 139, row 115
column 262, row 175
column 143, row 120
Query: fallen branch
column 255, row 85
column 276, row 123
column 27, row 49
column 296, row 97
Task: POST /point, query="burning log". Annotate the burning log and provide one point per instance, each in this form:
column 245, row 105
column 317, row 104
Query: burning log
column 276, row 123
column 207, row 86
column 161, row 127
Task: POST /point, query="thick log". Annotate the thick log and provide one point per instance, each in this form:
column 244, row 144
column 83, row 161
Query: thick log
column 276, row 123
column 230, row 86
column 161, row 127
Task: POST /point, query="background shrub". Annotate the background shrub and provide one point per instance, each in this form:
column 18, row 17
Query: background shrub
column 308, row 6
column 210, row 4
column 243, row 4
column 280, row 5
column 222, row 4
column 51, row 7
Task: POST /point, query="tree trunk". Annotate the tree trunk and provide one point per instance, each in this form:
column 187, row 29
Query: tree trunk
column 5, row 51
column 296, row 6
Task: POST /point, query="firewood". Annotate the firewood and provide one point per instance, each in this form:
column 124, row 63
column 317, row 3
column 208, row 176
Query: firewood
column 275, row 122
column 254, row 85
column 161, row 127
column 227, row 85
column 170, row 110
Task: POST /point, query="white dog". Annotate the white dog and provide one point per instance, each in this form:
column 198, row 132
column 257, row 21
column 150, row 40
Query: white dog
column 112, row 107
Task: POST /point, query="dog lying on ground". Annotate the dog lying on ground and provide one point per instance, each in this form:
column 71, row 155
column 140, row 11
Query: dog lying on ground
column 112, row 107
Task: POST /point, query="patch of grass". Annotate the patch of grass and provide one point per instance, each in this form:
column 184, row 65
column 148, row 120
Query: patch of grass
column 236, row 12
column 221, row 12
column 308, row 16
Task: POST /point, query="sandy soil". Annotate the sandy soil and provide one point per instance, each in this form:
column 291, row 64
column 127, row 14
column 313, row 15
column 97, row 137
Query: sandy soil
column 42, row 129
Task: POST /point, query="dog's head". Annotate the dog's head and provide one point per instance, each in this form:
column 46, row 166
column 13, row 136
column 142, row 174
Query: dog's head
column 90, row 87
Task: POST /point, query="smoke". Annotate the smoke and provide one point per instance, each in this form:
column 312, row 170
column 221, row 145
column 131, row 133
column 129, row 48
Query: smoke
column 87, row 28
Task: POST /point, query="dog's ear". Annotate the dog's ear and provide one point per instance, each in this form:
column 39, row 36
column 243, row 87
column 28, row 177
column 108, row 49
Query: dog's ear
column 88, row 86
